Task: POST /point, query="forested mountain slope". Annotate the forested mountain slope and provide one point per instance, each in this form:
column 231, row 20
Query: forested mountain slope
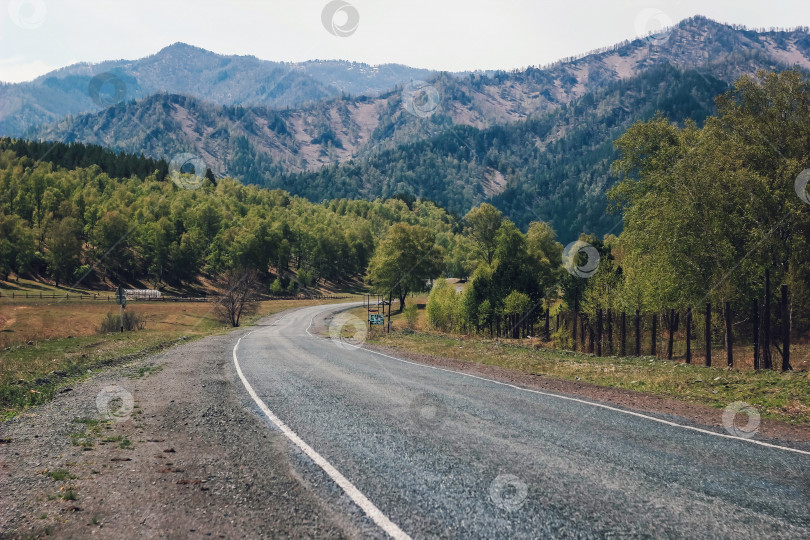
column 80, row 224
column 555, row 168
column 537, row 142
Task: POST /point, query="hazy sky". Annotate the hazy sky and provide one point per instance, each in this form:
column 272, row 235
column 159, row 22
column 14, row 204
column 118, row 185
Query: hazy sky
column 37, row 36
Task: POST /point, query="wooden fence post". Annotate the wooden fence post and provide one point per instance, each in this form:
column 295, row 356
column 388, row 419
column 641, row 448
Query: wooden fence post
column 755, row 320
column 547, row 329
column 599, row 332
column 766, row 324
column 623, row 335
column 689, row 335
column 654, row 337
column 582, row 331
column 708, row 334
column 528, row 324
column 785, row 330
column 574, row 327
column 610, row 331
column 638, row 332
column 729, row 337
column 672, row 329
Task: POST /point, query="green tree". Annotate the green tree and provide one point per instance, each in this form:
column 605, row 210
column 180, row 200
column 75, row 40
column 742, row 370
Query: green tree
column 404, row 261
column 484, row 223
column 515, row 268
column 64, row 250
column 707, row 211
column 112, row 241
column 16, row 245
column 461, row 259
column 541, row 242
column 516, row 303
column 485, row 313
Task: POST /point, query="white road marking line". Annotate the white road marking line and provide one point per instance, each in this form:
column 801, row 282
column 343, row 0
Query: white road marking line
column 354, row 494
column 578, row 400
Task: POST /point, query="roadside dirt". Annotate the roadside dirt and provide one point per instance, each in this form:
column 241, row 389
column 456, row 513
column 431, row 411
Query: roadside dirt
column 189, row 460
column 662, row 407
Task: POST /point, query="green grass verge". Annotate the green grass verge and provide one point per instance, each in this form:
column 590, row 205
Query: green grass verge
column 782, row 396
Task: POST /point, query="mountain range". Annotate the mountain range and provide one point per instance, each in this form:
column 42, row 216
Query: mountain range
column 184, row 69
column 537, row 143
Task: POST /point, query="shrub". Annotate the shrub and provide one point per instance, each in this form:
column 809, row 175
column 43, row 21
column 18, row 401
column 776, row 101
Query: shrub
column 442, row 305
column 485, row 313
column 467, row 308
column 81, row 273
column 411, row 315
column 132, row 321
column 305, row 277
column 562, row 336
column 276, row 288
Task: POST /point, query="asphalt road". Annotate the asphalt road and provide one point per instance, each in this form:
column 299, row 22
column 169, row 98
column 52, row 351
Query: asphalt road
column 432, row 453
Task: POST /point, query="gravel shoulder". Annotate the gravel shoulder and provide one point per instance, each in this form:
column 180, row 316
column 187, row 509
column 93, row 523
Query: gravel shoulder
column 190, row 459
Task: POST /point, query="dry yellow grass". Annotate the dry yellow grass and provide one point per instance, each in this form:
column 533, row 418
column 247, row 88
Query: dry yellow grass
column 36, row 320
column 65, row 338
column 20, row 323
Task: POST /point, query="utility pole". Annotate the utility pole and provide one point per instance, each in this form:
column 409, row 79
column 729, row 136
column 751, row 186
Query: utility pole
column 390, row 298
column 121, row 299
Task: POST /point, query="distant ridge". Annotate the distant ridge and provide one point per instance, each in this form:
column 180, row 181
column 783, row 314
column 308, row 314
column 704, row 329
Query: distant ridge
column 185, row 69
column 378, row 145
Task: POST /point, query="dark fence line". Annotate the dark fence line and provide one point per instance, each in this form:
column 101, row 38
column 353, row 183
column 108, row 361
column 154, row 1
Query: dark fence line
column 705, row 334
column 111, row 297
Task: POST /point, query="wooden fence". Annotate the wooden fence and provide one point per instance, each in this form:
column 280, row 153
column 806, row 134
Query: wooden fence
column 705, row 334
column 110, row 297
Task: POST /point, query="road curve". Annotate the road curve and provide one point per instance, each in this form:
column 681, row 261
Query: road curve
column 431, row 453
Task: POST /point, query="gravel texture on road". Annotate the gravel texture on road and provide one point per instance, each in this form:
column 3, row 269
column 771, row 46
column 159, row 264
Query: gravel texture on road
column 190, row 460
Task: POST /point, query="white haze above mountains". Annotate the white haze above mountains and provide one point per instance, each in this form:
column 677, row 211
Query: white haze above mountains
column 452, row 35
